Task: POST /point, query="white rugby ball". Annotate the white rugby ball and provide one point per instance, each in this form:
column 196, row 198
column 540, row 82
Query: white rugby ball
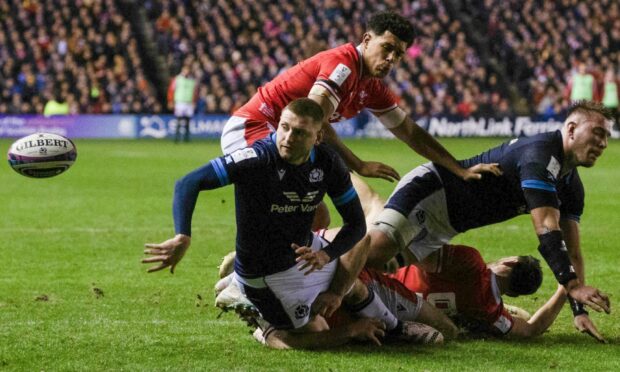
column 42, row 155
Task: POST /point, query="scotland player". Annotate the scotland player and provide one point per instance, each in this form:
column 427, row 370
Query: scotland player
column 279, row 182
column 430, row 205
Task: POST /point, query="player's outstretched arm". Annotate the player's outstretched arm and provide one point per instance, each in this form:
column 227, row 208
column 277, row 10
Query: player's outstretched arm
column 372, row 169
column 167, row 253
column 186, row 191
column 426, row 145
column 554, row 251
column 542, row 319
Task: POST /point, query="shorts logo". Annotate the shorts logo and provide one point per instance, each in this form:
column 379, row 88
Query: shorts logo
column 302, row 311
column 420, row 216
column 340, row 74
column 316, row 175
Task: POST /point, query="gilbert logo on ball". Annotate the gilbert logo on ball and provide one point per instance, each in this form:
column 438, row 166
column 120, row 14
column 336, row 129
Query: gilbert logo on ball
column 42, row 155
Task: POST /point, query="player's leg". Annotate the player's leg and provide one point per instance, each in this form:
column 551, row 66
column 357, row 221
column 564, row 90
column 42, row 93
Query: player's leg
column 371, row 201
column 405, row 304
column 177, row 133
column 186, row 120
column 414, row 222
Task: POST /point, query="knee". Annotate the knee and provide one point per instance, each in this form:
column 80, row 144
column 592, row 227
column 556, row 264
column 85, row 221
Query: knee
column 380, row 250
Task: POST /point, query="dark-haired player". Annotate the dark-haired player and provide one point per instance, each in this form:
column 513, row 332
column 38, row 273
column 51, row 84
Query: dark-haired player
column 344, row 80
column 430, row 205
column 464, row 288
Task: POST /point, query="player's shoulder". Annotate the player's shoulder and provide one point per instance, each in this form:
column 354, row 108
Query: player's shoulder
column 345, row 52
column 541, row 144
column 262, row 150
column 344, row 60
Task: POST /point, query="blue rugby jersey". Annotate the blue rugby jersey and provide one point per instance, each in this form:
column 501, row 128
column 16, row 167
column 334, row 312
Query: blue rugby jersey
column 531, row 164
column 275, row 203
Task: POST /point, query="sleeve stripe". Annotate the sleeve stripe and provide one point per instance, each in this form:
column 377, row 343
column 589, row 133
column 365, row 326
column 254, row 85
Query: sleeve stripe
column 382, row 111
column 346, row 197
column 329, row 89
column 536, row 184
column 220, row 170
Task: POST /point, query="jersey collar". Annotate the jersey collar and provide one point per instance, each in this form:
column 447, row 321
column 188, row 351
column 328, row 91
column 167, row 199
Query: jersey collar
column 360, row 57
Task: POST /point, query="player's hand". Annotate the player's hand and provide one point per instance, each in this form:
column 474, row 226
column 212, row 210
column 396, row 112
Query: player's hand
column 584, row 325
column 367, row 329
column 326, row 303
column 375, row 169
column 590, row 296
column 169, row 253
column 475, row 172
column 315, row 260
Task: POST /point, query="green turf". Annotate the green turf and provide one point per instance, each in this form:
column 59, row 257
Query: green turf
column 74, row 296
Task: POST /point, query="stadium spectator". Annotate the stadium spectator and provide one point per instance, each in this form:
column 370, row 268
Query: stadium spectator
column 611, row 94
column 582, row 84
column 58, row 105
column 273, row 229
column 182, row 96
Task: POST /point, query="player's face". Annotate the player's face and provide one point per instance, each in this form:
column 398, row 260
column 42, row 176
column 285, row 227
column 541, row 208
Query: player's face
column 381, row 53
column 589, row 138
column 296, row 136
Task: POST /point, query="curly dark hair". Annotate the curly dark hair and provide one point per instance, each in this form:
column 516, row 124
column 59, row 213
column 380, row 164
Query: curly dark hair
column 526, row 276
column 395, row 23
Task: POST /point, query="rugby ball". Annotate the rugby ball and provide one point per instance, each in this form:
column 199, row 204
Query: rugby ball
column 42, row 155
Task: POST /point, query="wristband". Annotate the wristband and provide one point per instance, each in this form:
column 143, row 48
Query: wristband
column 553, row 250
column 577, row 307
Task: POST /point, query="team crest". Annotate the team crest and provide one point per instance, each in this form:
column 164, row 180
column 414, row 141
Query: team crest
column 302, row 311
column 316, row 175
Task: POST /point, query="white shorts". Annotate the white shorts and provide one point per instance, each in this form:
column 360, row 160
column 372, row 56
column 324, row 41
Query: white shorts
column 284, row 299
column 240, row 132
column 182, row 109
column 426, row 226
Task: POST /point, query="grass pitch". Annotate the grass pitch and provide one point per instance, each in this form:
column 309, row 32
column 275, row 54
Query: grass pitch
column 74, row 296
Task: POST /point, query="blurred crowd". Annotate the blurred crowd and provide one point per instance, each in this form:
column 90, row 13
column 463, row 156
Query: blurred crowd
column 85, row 52
column 233, row 47
column 548, row 46
column 78, row 52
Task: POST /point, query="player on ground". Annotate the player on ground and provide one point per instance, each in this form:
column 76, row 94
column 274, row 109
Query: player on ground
column 430, row 205
column 465, row 288
column 279, row 182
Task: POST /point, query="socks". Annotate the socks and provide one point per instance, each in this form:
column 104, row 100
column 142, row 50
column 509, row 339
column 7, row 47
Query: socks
column 373, row 307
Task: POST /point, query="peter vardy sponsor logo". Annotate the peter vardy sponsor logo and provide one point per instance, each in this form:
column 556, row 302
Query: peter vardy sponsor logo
column 300, row 203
